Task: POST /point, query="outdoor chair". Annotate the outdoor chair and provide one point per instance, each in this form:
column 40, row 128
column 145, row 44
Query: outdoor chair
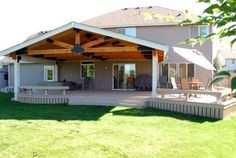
column 185, row 85
column 87, row 83
column 195, row 86
column 143, row 82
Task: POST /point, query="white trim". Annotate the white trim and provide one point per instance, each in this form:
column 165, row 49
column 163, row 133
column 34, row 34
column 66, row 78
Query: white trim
column 16, row 79
column 71, row 25
column 155, row 73
column 49, row 67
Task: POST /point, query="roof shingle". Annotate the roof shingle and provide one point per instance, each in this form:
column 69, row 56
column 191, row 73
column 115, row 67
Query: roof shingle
column 130, row 17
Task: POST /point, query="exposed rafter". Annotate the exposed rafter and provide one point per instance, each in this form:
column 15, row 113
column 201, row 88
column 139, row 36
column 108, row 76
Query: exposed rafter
column 95, row 42
column 61, row 44
column 77, row 37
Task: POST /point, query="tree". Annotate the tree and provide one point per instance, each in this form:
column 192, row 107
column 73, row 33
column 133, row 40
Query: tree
column 222, row 15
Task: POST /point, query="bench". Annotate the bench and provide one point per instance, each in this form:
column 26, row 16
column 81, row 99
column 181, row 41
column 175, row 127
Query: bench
column 223, row 94
column 45, row 88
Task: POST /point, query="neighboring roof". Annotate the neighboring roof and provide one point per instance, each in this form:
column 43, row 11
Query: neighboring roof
column 6, row 60
column 76, row 25
column 36, row 34
column 228, row 53
column 129, row 17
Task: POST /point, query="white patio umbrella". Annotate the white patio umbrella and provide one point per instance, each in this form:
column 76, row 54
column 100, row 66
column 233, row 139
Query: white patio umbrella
column 194, row 56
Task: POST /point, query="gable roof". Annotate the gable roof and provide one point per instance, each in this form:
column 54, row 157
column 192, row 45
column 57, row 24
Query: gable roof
column 75, row 25
column 130, row 17
column 228, row 53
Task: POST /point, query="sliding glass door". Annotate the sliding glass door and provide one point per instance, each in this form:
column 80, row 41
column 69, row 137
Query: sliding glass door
column 123, row 76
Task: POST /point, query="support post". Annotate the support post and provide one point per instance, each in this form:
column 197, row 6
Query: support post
column 16, row 78
column 155, row 73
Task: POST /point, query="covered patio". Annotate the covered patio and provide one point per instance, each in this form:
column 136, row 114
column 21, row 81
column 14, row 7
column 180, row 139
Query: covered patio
column 81, row 43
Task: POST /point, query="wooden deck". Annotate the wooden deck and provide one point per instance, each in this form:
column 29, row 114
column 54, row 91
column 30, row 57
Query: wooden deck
column 201, row 105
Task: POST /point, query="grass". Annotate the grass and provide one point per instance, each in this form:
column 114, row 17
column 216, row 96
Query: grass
column 93, row 131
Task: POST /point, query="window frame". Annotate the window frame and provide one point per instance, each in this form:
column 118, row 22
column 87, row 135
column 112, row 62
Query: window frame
column 54, row 73
column 81, row 65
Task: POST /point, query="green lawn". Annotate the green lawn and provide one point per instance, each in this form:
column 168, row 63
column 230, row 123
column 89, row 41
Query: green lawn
column 92, row 131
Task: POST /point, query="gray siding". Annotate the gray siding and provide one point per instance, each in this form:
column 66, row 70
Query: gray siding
column 103, row 72
column 172, row 36
column 30, row 74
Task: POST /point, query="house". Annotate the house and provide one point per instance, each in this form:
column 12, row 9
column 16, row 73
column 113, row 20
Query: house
column 131, row 21
column 109, row 51
column 108, row 56
column 227, row 58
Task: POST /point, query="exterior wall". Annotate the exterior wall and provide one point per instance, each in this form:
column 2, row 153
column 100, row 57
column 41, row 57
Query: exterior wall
column 172, row 36
column 229, row 65
column 30, row 74
column 70, row 71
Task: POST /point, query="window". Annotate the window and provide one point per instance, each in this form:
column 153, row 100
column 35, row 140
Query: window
column 127, row 31
column 87, row 69
column 130, row 31
column 50, row 73
column 181, row 70
column 233, row 61
column 165, row 70
column 203, row 30
column 191, row 70
column 195, row 31
column 172, row 70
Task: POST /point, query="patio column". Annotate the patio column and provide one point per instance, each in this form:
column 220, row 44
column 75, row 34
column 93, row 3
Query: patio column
column 155, row 73
column 16, row 77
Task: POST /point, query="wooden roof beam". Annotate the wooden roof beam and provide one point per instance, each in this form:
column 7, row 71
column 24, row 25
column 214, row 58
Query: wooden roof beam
column 77, row 36
column 96, row 42
column 61, row 44
column 49, row 51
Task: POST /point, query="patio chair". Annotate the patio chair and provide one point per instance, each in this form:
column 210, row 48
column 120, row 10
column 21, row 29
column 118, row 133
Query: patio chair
column 87, row 83
column 195, row 86
column 185, row 86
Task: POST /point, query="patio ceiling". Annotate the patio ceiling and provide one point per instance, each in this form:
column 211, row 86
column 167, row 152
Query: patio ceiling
column 81, row 42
